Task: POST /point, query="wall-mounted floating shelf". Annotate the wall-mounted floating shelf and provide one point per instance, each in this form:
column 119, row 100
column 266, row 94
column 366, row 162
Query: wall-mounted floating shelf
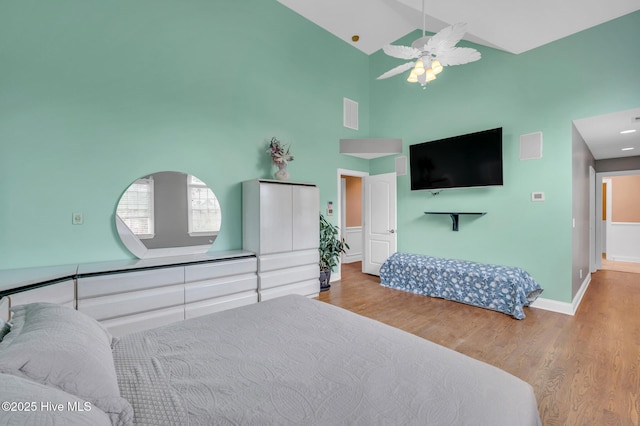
column 455, row 216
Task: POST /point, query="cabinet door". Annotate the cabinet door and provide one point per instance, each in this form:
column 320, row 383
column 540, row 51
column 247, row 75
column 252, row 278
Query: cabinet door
column 306, row 221
column 275, row 218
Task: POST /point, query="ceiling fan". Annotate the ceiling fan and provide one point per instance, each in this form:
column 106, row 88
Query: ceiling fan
column 432, row 53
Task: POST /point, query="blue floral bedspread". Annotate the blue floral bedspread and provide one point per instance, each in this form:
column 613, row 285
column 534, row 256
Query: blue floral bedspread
column 500, row 288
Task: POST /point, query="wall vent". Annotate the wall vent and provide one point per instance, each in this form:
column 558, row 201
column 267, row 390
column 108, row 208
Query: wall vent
column 350, row 113
column 531, row 146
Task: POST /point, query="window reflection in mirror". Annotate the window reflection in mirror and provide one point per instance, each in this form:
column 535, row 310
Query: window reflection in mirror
column 167, row 214
column 204, row 211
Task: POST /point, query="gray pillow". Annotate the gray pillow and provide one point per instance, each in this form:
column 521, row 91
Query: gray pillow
column 4, row 328
column 65, row 349
column 30, row 403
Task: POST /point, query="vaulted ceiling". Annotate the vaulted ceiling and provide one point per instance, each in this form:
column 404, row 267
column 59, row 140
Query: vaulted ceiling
column 512, row 26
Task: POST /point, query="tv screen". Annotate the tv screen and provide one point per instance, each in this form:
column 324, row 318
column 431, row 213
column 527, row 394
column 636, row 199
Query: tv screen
column 458, row 162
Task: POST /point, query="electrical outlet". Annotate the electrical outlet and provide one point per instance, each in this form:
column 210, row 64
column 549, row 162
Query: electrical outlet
column 580, row 273
column 77, row 219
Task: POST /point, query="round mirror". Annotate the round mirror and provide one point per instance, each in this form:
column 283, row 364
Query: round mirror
column 168, row 214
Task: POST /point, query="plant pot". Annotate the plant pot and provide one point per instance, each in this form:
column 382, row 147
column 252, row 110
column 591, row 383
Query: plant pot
column 325, row 277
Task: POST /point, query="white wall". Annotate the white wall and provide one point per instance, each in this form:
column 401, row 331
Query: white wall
column 353, row 237
column 623, row 242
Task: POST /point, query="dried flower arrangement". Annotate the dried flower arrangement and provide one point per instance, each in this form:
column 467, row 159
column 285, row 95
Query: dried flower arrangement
column 280, row 154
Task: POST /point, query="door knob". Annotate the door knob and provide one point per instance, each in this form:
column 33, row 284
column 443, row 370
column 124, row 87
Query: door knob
column 393, row 231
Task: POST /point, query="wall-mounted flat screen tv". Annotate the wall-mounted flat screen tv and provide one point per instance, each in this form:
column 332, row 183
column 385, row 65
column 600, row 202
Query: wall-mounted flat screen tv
column 462, row 161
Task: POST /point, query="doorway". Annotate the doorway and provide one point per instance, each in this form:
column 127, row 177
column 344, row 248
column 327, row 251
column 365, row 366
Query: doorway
column 354, row 236
column 378, row 218
column 351, row 217
column 618, row 221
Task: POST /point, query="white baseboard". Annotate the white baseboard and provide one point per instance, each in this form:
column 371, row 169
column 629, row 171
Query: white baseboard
column 624, row 258
column 351, row 259
column 563, row 307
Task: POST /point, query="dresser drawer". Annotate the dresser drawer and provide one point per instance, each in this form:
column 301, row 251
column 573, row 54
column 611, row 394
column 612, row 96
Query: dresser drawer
column 220, row 269
column 289, row 276
column 218, row 287
column 272, row 262
column 309, row 288
column 143, row 321
column 102, row 285
column 218, row 304
column 132, row 302
column 63, row 293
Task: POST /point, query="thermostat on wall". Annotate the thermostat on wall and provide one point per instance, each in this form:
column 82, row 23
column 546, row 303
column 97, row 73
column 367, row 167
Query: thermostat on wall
column 537, row 196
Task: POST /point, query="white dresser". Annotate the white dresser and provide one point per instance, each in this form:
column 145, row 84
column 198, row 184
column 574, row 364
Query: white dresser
column 130, row 296
column 280, row 223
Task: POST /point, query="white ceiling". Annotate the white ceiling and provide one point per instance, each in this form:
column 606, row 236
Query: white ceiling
column 512, row 26
column 602, row 134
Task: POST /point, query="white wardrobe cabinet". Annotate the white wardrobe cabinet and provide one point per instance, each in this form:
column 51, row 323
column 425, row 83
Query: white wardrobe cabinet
column 280, row 223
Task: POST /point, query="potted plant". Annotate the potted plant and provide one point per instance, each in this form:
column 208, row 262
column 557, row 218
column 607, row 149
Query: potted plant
column 330, row 249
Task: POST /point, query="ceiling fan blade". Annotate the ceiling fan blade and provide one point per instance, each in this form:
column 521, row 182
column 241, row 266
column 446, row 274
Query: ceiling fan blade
column 401, row 52
column 459, row 56
column 397, row 70
column 446, row 39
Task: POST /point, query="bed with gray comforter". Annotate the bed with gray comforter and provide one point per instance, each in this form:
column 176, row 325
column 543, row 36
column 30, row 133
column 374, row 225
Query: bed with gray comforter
column 296, row 361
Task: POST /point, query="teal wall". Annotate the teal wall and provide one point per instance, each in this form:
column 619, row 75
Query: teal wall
column 590, row 73
column 96, row 94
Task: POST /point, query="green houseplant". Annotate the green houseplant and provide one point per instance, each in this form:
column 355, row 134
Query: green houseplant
column 330, row 249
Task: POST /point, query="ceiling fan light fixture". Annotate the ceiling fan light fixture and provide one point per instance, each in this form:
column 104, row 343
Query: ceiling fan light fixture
column 430, row 75
column 426, row 49
column 413, row 77
column 436, row 66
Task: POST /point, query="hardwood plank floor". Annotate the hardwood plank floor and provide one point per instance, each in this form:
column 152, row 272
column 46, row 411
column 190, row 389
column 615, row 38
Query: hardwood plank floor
column 613, row 265
column 585, row 369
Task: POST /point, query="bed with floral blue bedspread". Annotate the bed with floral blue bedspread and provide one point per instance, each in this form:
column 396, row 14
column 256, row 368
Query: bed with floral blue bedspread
column 500, row 288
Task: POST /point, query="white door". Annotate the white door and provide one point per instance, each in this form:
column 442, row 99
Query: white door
column 306, row 226
column 379, row 225
column 276, row 217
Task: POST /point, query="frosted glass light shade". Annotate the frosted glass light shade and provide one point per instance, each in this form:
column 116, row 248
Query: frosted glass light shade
column 419, row 68
column 436, row 66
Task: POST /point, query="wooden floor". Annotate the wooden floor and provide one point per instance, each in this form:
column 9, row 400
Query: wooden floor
column 613, row 265
column 585, row 369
